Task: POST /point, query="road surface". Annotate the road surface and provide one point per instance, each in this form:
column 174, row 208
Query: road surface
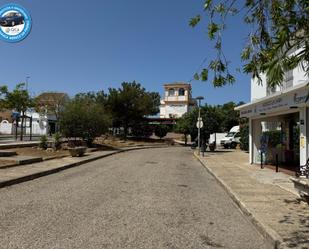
column 151, row 199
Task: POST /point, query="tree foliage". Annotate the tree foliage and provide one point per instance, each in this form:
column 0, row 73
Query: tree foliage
column 244, row 135
column 84, row 117
column 212, row 119
column 230, row 117
column 18, row 100
column 216, row 118
column 161, row 130
column 130, row 103
column 278, row 27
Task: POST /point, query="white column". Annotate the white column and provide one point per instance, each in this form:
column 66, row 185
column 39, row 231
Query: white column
column 303, row 136
column 250, row 141
column 256, row 136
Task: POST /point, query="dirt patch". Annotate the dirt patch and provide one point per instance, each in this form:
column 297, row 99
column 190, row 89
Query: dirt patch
column 34, row 151
column 115, row 142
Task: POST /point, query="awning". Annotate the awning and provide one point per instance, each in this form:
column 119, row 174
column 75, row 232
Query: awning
column 291, row 98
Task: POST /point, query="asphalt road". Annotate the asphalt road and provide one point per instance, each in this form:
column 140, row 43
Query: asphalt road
column 159, row 198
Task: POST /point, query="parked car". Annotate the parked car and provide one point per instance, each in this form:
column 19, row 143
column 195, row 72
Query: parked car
column 11, row 19
column 232, row 138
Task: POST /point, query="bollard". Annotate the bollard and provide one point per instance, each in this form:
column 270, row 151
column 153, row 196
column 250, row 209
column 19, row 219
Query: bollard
column 277, row 164
column 262, row 160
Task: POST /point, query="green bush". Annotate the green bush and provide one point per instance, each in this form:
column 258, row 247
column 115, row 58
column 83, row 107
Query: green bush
column 57, row 141
column 141, row 130
column 43, row 142
column 84, row 118
column 244, row 137
column 161, row 131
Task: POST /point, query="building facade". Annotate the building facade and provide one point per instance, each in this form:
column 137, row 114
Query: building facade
column 279, row 120
column 43, row 118
column 177, row 100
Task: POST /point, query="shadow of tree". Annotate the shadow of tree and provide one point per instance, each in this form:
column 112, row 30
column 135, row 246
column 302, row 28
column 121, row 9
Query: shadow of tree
column 299, row 216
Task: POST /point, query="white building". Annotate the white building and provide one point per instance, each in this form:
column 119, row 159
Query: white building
column 279, row 120
column 177, row 100
column 44, row 122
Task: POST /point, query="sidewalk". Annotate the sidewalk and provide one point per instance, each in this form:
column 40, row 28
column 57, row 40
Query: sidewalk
column 22, row 173
column 267, row 197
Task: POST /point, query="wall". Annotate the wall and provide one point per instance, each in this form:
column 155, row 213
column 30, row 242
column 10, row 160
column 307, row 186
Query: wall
column 258, row 90
column 176, row 109
column 5, row 128
column 298, row 77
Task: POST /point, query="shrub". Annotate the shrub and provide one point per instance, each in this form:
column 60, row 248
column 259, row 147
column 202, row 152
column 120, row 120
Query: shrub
column 43, row 142
column 244, row 137
column 57, row 142
column 84, row 118
column 161, row 131
column 141, row 130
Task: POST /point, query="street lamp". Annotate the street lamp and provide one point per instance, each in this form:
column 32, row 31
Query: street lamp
column 199, row 123
column 27, row 78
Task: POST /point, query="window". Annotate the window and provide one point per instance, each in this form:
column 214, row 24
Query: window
column 181, row 92
column 171, row 92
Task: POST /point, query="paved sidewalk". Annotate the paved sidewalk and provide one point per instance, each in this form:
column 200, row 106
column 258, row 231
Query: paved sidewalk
column 22, row 173
column 266, row 196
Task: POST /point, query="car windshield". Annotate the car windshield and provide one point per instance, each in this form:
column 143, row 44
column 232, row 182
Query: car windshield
column 230, row 134
column 12, row 14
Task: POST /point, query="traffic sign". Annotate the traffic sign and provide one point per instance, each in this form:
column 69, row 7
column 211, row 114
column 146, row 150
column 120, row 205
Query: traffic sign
column 199, row 124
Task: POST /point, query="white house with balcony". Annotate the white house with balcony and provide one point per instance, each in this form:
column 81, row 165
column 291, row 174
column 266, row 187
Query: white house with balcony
column 279, row 120
column 177, row 100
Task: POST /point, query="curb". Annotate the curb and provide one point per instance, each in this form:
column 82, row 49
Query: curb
column 67, row 166
column 18, row 145
column 268, row 233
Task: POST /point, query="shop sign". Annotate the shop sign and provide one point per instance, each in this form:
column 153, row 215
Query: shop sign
column 300, row 99
column 276, row 104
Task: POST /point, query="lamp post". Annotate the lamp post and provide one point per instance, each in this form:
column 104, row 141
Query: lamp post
column 27, row 78
column 199, row 98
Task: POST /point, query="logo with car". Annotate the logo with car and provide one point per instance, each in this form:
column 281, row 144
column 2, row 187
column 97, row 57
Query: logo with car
column 15, row 23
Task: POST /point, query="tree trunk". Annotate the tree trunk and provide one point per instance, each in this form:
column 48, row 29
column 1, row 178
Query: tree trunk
column 186, row 139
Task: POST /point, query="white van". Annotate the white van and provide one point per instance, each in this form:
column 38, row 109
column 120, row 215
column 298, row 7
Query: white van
column 232, row 138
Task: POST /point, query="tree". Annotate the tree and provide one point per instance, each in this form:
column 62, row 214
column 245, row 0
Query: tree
column 19, row 100
column 278, row 27
column 230, row 117
column 161, row 131
column 84, row 117
column 51, row 103
column 185, row 125
column 130, row 104
column 212, row 119
column 244, row 135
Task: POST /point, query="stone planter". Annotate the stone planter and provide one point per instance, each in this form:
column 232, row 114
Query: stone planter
column 77, row 151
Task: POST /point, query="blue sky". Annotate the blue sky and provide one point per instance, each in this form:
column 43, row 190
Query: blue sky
column 77, row 46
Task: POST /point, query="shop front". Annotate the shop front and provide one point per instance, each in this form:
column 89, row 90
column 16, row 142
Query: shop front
column 278, row 127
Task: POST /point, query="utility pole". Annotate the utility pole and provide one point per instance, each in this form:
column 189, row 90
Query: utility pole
column 199, row 124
